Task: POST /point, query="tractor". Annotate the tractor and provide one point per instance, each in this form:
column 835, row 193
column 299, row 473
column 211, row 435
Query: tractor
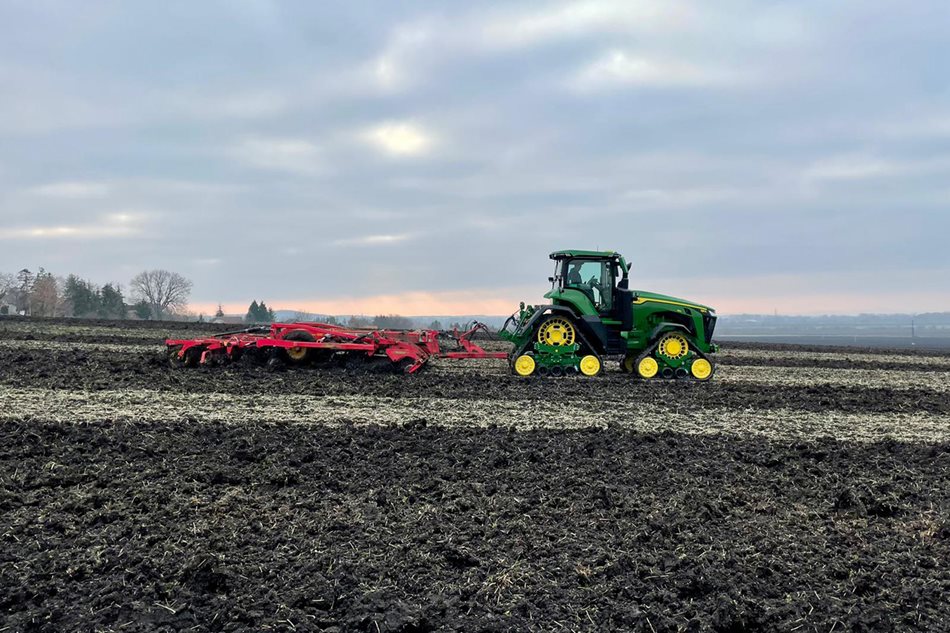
column 592, row 316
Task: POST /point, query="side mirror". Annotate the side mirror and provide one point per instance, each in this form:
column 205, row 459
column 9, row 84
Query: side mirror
column 551, row 279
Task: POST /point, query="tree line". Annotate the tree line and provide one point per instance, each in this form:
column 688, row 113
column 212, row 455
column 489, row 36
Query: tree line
column 153, row 294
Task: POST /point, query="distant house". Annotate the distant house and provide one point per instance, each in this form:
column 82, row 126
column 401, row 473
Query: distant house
column 10, row 302
column 232, row 320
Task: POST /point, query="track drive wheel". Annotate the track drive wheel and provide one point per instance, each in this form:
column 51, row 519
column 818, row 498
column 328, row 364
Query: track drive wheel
column 524, row 365
column 556, row 331
column 673, row 346
column 298, row 355
column 590, row 365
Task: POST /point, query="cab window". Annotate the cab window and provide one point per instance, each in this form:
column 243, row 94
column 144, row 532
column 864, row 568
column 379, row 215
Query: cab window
column 593, row 278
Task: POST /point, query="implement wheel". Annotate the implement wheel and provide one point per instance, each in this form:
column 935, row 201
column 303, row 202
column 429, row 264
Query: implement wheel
column 298, row 355
column 556, row 331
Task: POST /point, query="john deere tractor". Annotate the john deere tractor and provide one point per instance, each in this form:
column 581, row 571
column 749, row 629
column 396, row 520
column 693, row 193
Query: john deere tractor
column 593, row 316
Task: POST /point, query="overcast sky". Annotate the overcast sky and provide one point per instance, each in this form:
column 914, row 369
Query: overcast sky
column 425, row 158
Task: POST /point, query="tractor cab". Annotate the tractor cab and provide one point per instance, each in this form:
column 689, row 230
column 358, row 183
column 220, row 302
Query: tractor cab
column 595, row 284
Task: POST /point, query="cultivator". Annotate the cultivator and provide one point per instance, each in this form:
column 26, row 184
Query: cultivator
column 592, row 315
column 323, row 343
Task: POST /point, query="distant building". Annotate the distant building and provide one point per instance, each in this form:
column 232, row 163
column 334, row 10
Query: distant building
column 230, row 320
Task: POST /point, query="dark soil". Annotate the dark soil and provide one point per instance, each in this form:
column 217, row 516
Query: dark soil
column 858, row 362
column 122, row 326
column 253, row 527
column 100, row 369
column 841, row 349
column 248, row 526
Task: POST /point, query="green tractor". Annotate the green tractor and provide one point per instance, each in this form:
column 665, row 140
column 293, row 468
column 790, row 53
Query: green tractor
column 592, row 316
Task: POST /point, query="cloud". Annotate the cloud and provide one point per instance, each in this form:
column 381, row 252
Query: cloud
column 399, row 139
column 392, row 68
column 618, row 68
column 291, row 155
column 579, row 19
column 113, row 225
column 373, row 240
column 684, row 197
column 72, row 190
column 849, row 168
column 418, row 45
column 746, row 133
column 241, row 105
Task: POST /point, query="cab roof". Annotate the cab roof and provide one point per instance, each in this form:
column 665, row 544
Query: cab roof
column 591, row 254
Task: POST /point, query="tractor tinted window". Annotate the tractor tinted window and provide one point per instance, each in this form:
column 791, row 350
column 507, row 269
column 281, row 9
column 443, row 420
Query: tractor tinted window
column 593, row 278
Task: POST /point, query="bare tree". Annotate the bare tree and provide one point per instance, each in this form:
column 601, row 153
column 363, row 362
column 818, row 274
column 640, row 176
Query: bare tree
column 7, row 283
column 44, row 295
column 162, row 290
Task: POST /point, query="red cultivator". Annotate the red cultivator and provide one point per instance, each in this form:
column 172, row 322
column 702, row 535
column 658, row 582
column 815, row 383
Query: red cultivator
column 298, row 343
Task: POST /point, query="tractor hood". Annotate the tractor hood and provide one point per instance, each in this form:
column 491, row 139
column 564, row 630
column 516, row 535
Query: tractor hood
column 641, row 296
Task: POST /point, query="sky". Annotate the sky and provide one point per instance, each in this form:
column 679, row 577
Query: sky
column 425, row 158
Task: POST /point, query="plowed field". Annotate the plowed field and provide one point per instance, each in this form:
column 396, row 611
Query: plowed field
column 803, row 489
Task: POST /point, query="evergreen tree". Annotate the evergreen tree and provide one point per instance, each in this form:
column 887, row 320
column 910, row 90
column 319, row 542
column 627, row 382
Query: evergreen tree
column 111, row 302
column 25, row 279
column 266, row 315
column 220, row 313
column 252, row 312
column 143, row 310
column 82, row 296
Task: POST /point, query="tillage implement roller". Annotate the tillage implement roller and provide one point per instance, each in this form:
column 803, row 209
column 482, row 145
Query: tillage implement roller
column 591, row 317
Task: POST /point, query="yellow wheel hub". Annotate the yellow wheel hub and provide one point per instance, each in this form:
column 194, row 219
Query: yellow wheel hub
column 297, row 353
column 524, row 365
column 701, row 369
column 590, row 365
column 648, row 367
column 673, row 346
column 556, row 331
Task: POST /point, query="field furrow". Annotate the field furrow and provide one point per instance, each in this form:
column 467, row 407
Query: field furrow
column 156, row 406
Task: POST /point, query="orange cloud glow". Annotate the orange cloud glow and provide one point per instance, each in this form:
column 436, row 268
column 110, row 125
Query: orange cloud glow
column 408, row 304
column 753, row 295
